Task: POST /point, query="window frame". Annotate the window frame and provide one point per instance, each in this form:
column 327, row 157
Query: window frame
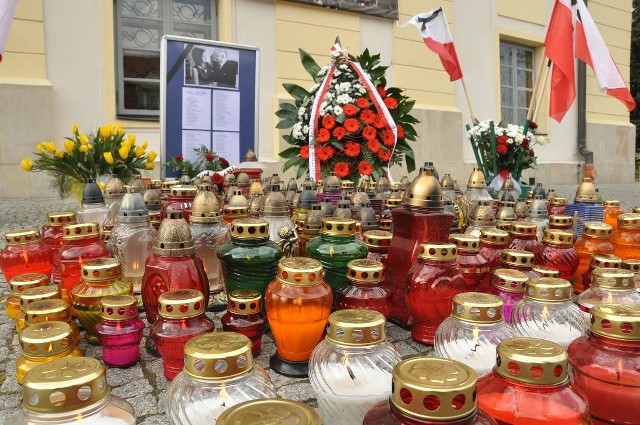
column 514, row 78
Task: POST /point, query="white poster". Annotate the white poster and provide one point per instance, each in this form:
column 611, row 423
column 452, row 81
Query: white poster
column 194, row 139
column 227, row 145
column 196, row 108
column 226, row 110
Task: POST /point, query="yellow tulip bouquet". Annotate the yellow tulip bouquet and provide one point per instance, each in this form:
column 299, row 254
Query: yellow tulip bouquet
column 81, row 157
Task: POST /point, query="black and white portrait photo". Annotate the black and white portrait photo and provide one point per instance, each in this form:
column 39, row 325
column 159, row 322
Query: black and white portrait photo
column 212, row 66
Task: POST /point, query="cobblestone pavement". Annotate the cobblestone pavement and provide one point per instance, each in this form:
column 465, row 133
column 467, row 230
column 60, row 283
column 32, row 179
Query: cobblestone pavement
column 144, row 385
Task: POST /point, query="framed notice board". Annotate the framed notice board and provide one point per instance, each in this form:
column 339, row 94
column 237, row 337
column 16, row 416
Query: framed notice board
column 209, row 96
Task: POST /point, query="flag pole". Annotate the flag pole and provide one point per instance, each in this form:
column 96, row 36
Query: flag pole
column 544, row 86
column 466, row 95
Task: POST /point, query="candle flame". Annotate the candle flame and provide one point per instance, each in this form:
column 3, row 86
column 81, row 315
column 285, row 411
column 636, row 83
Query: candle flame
column 619, row 368
column 80, row 260
column 299, row 302
column 476, row 333
column 545, row 313
column 331, row 251
column 135, row 265
column 223, row 396
column 610, row 300
column 25, row 256
column 348, row 367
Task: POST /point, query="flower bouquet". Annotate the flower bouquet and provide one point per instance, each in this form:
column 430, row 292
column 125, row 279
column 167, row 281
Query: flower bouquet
column 205, row 159
column 349, row 122
column 82, row 157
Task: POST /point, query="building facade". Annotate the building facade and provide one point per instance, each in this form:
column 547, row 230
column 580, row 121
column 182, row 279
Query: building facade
column 95, row 62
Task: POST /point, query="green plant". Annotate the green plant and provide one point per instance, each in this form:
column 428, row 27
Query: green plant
column 205, row 160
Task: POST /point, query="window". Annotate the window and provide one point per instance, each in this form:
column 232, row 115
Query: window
column 140, row 25
column 516, row 82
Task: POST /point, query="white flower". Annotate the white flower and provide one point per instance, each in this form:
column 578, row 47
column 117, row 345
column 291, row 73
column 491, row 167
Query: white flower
column 484, row 125
column 305, row 129
column 541, row 140
column 337, row 110
column 337, row 73
column 343, row 99
column 314, row 88
column 362, row 90
column 296, row 131
column 328, row 96
column 344, row 66
column 323, row 70
column 301, row 112
column 519, row 138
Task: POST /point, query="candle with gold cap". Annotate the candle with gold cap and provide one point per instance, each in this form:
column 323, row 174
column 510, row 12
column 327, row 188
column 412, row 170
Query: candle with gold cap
column 30, row 295
column 607, row 261
column 52, row 238
column 180, row 199
column 612, row 211
column 24, row 252
column 492, row 242
column 119, row 330
column 274, row 411
column 509, row 285
column 48, row 310
column 18, row 285
column 626, row 239
column 596, row 239
column 244, row 316
column 378, row 242
column 520, row 260
column 523, row 236
column 608, row 286
column 557, row 252
column 634, row 266
column 364, row 288
column 474, row 267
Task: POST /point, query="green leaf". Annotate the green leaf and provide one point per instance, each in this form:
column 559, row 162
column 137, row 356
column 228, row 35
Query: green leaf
column 296, row 91
column 309, row 63
column 302, row 170
column 293, row 162
column 287, row 123
column 291, row 152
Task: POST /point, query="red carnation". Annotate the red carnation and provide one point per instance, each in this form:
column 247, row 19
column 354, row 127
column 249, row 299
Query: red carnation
column 525, row 143
column 362, row 103
column 387, row 137
column 532, row 153
column 349, row 110
column 502, row 139
column 352, row 125
column 352, row 149
column 365, row 168
column 304, row 152
column 391, row 103
column 381, row 91
column 533, row 125
column 328, row 122
column 217, row 178
column 341, row 169
column 384, row 155
column 339, row 132
column 369, row 132
column 373, row 145
column 400, row 130
column 179, row 158
column 501, row 148
column 210, row 157
column 323, row 135
column 379, row 122
column 223, row 162
column 324, row 153
column 368, row 116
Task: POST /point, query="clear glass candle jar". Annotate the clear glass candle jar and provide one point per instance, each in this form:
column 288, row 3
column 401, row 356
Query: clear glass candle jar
column 310, row 228
column 249, row 260
column 276, row 212
column 474, row 266
column 335, row 247
column 92, row 208
column 634, row 266
column 173, row 264
column 605, row 364
column 492, row 242
column 547, row 312
column 45, row 342
column 626, row 239
column 472, row 332
column 431, row 285
column 219, row 372
column 557, row 252
column 519, row 260
column 180, row 318
column 350, row 371
column 430, row 391
column 378, row 242
column 530, row 385
column 608, row 261
column 608, row 286
column 49, row 310
column 275, row 411
column 611, row 212
column 18, row 285
column 180, row 199
column 52, row 238
column 509, row 285
column 244, row 316
column 24, row 252
column 131, row 238
column 80, row 242
column 365, row 288
column 101, row 277
column 596, row 239
column 119, row 330
column 523, row 236
column 71, row 391
column 298, row 303
column 47, row 292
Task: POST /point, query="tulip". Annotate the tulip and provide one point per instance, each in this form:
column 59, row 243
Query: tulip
column 68, row 145
column 50, row 146
column 105, row 131
column 101, row 185
column 124, row 151
column 108, row 157
column 139, row 151
column 145, row 144
column 58, row 153
column 26, row 164
column 131, row 139
column 152, row 156
column 74, row 128
column 150, row 166
column 83, row 139
column 41, row 148
column 84, row 148
column 119, row 130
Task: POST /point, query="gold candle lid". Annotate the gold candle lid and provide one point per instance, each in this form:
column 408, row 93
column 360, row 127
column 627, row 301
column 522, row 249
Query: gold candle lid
column 59, row 219
column 524, row 228
column 557, row 237
column 558, row 201
column 184, row 190
column 356, row 327
column 619, row 321
column 438, row 251
column 381, row 238
column 46, row 311
column 551, row 289
column 24, row 236
column 545, row 271
column 181, row 303
column 477, row 307
column 38, row 293
column 218, row 355
column 466, row 243
column 610, row 278
column 532, row 361
column 365, row 271
column 597, row 229
column 434, row 388
column 46, row 339
column 517, row 257
column 64, row 385
column 494, row 236
column 509, row 280
column 166, row 185
column 249, row 228
column 80, row 231
column 347, row 184
column 98, row 269
column 560, row 220
column 612, row 203
column 504, row 226
column 270, row 411
column 235, row 212
column 610, row 261
column 244, row 301
column 300, row 271
column 629, row 221
column 336, row 226
column 631, row 264
column 385, row 224
column 118, row 307
column 21, row 282
column 476, row 180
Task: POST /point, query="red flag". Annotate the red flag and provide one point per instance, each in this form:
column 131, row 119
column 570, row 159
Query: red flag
column 559, row 49
column 592, row 50
column 435, row 33
column 7, row 10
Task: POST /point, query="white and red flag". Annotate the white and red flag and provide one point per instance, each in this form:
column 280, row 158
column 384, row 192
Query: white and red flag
column 7, row 10
column 591, row 48
column 435, row 33
column 558, row 47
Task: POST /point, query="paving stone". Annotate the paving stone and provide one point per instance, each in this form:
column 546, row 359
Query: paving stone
column 117, row 376
column 300, row 391
column 10, row 401
column 6, row 415
column 155, row 367
column 162, row 402
column 145, row 404
column 155, row 420
column 134, row 388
